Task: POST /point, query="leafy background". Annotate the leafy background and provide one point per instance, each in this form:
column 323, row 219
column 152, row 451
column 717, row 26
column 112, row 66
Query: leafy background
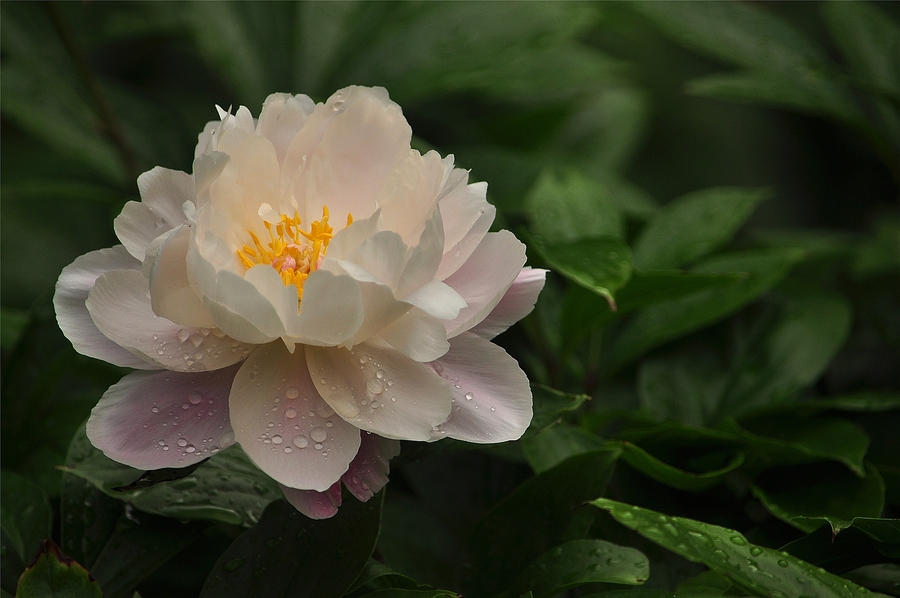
column 717, row 397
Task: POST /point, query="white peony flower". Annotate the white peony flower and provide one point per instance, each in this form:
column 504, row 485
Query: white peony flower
column 315, row 291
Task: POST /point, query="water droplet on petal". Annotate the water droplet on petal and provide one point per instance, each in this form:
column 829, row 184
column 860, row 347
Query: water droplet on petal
column 190, row 448
column 195, row 398
column 154, row 409
column 301, row 441
column 290, row 413
column 183, row 334
column 318, row 434
column 277, row 439
column 375, row 386
column 469, row 396
column 292, row 392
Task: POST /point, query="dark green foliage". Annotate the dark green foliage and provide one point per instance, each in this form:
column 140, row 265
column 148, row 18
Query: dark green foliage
column 714, row 359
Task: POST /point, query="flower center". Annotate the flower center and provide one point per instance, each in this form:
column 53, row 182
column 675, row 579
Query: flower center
column 294, row 252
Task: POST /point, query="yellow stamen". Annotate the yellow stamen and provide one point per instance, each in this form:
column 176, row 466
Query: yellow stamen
column 292, row 251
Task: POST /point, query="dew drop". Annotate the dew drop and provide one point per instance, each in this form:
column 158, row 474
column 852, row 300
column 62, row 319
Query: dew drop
column 380, row 374
column 194, row 398
column 375, row 386
column 182, row 442
column 756, row 551
column 318, row 446
column 196, row 339
column 469, row 396
column 318, row 434
column 183, row 334
column 154, row 409
column 190, row 448
column 292, row 392
column 185, row 406
column 277, row 439
column 290, row 413
column 301, row 441
column 329, row 423
column 740, row 541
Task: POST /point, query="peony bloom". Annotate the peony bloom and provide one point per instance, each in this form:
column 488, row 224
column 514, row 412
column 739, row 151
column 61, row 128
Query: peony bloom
column 315, row 291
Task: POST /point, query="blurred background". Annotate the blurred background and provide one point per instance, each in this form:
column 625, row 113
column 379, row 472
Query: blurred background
column 634, row 104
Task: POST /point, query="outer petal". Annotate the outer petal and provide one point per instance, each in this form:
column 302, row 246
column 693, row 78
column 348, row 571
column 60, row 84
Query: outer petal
column 369, row 470
column 163, row 419
column 120, row 306
column 467, row 216
column 282, row 117
column 163, row 193
column 418, row 335
column 485, row 277
column 284, row 425
column 492, row 398
column 517, row 303
column 72, row 288
column 171, row 294
column 379, row 389
column 315, row 505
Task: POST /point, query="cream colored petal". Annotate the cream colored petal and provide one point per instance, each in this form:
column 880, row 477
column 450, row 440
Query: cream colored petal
column 163, row 193
column 418, row 335
column 380, row 390
column 171, row 294
column 517, row 302
column 281, row 119
column 283, row 424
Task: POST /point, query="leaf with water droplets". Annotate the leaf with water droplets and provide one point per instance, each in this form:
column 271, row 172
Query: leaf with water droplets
column 55, row 574
column 755, row 568
column 580, row 562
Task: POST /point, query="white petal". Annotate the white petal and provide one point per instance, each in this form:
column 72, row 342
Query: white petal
column 409, row 195
column 282, row 117
column 171, row 295
column 425, row 257
column 492, row 399
column 163, row 193
column 467, row 216
column 72, row 288
column 517, row 303
column 438, row 299
column 163, row 419
column 380, row 390
column 456, row 254
column 119, row 304
column 484, row 278
column 331, row 311
column 360, row 147
column 315, row 505
column 383, row 255
column 417, row 335
column 346, row 240
column 283, row 424
column 369, row 470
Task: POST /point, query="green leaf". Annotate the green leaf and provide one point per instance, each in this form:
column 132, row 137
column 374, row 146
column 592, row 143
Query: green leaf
column 685, row 387
column 24, row 514
column 377, row 576
column 87, row 519
column 399, row 593
column 601, row 264
column 694, row 225
column 806, row 496
column 708, row 583
column 55, row 574
column 287, row 554
column 672, row 476
column 546, row 504
column 785, row 440
column 227, row 488
column 870, row 41
column 883, row 577
column 548, row 448
column 12, row 324
column 840, row 553
column 754, row 568
column 551, row 404
column 570, row 208
column 580, row 562
column 665, row 321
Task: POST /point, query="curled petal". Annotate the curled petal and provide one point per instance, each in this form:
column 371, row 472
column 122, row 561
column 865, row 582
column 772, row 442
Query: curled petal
column 283, row 424
column 378, row 389
column 369, row 470
column 119, row 304
column 492, row 398
column 517, row 303
column 282, row 117
column 75, row 282
column 163, row 193
column 485, row 277
column 315, row 505
column 171, row 294
column 150, row 420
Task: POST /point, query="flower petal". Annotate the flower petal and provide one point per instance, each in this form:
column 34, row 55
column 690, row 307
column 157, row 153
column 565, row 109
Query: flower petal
column 418, row 335
column 484, row 278
column 282, row 117
column 369, row 470
column 72, row 288
column 119, row 304
column 150, row 420
column 517, row 303
column 315, row 505
column 331, row 311
column 163, row 193
column 492, row 398
column 409, row 195
column 380, row 390
column 171, row 294
column 466, row 216
column 283, row 424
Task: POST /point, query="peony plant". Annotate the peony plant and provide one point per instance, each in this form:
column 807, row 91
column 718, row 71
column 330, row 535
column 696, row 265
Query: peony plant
column 315, row 291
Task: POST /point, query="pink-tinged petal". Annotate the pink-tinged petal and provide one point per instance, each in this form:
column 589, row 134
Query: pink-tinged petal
column 419, row 336
column 282, row 117
column 361, row 145
column 369, row 470
column 283, row 424
column 72, row 288
column 492, row 398
column 315, row 505
column 466, row 215
column 119, row 304
column 517, row 303
column 378, row 389
column 331, row 311
column 163, row 193
column 409, row 195
column 254, row 167
column 438, row 299
column 484, row 278
column 425, row 257
column 150, row 420
column 171, row 294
